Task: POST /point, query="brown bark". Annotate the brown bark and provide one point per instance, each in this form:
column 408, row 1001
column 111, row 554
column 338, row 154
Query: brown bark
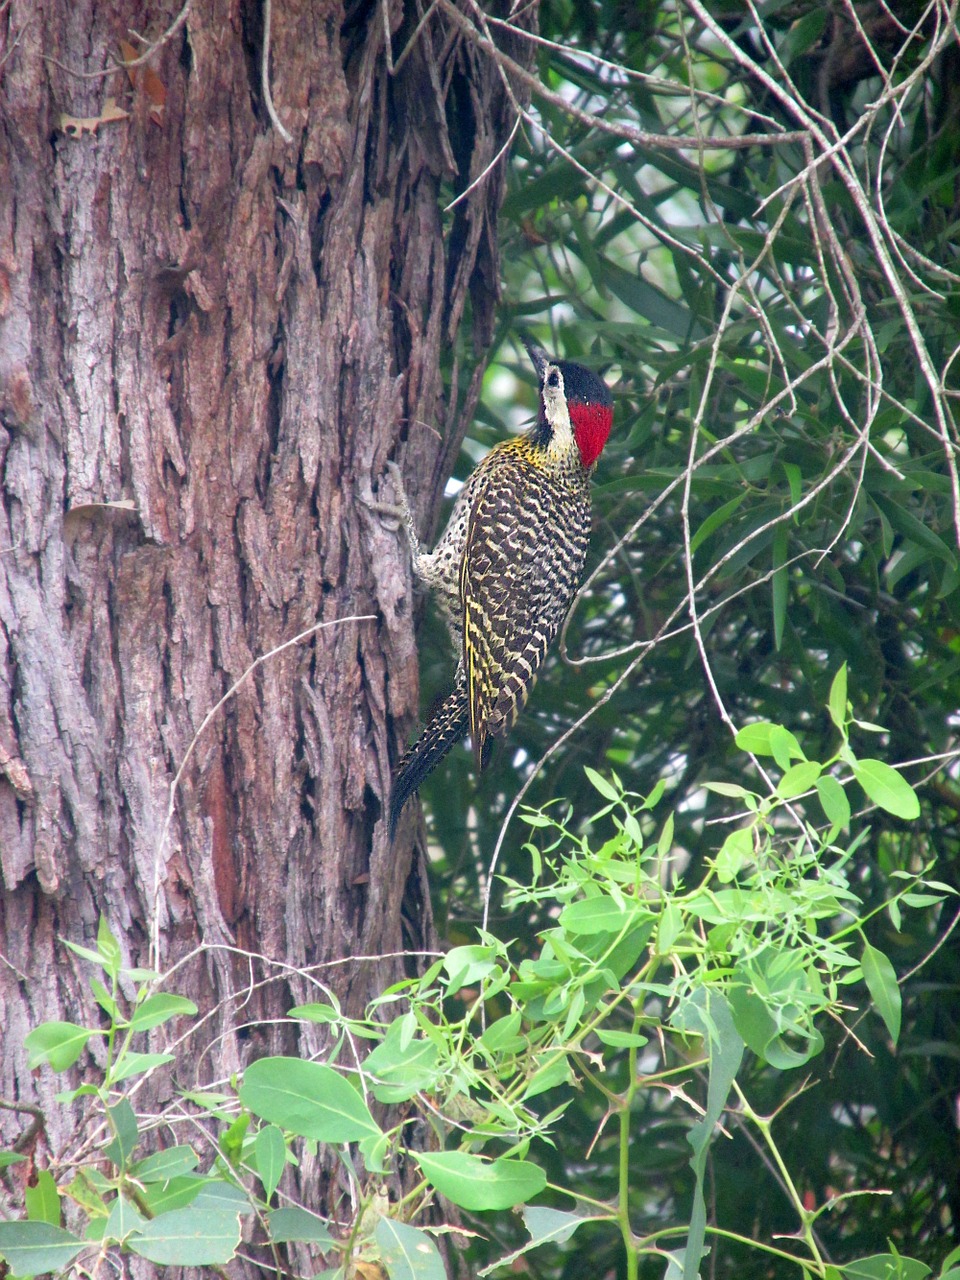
column 227, row 335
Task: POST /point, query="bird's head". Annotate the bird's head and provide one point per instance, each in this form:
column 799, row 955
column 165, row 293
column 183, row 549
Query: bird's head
column 570, row 389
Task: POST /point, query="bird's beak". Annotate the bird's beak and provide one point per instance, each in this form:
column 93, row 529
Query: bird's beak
column 538, row 356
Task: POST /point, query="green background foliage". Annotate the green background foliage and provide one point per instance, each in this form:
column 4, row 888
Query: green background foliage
column 637, row 994
column 779, row 497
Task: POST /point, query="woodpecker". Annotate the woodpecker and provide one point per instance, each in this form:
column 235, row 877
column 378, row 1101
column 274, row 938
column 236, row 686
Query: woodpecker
column 508, row 564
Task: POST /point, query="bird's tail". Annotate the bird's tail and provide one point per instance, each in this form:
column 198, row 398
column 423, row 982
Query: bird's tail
column 447, row 726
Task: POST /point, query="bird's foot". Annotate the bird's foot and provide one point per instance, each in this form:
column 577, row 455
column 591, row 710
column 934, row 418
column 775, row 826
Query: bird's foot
column 399, row 510
column 396, row 512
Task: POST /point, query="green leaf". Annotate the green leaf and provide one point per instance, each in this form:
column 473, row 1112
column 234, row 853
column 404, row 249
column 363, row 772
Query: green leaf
column 833, row 801
column 233, row 1138
column 868, row 726
column 58, row 1043
column 599, row 782
column 161, row 1197
column 33, row 1248
column 837, row 702
column 762, row 738
column 87, row 1189
column 223, row 1197
column 715, row 520
column 885, row 1266
column 467, row 965
column 105, row 1000
column 477, row 1184
column 780, row 584
column 554, row 1072
column 764, row 1034
column 160, row 1008
column 538, row 820
column 293, row 1223
column 124, row 1218
column 123, row 1121
column 550, row 1225
column 85, row 952
column 915, row 531
column 598, row 915
column 374, row 1150
column 215, row 1104
column 408, row 1253
column 109, row 949
column 503, row 1035
column 43, row 1200
column 546, row 1226
column 271, row 1155
column 735, row 852
column 621, row 1039
column 886, row 788
column 669, row 928
column 8, row 1158
column 723, row 1044
column 881, row 980
column 640, row 296
column 307, row 1098
column 133, row 1064
column 798, row 779
column 198, row 1236
column 656, row 795
column 784, row 747
column 315, row 1012
column 165, row 1164
column 795, row 481
column 665, row 843
column 401, row 1070
column 893, row 911
column 138, row 974
column 731, row 789
column 803, row 34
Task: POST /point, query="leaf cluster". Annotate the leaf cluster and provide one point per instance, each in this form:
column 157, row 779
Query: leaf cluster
column 637, row 986
column 779, row 320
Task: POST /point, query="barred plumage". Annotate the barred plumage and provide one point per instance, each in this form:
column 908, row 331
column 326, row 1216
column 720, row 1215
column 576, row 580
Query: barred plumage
column 508, row 565
column 525, row 550
column 447, row 726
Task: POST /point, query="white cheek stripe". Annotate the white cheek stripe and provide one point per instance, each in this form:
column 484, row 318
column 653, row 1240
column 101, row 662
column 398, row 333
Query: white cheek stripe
column 558, row 415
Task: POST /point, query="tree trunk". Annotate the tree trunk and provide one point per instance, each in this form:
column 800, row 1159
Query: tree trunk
column 211, row 341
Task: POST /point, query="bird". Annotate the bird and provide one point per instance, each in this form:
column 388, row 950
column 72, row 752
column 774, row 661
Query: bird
column 508, row 564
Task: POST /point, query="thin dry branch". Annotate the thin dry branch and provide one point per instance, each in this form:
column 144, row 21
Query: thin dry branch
column 627, row 132
column 158, row 862
column 121, row 64
column 265, row 72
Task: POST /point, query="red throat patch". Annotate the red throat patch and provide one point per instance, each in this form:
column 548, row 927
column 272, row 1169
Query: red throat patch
column 591, row 426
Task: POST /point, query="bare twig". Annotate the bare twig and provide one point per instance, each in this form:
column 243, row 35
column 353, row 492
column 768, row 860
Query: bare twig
column 158, row 861
column 629, row 133
column 265, row 73
column 120, row 64
column 32, row 1129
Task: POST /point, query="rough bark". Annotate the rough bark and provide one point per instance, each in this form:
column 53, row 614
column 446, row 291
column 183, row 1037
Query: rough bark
column 210, row 343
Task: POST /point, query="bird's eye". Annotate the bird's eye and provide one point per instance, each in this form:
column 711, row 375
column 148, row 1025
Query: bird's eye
column 553, row 378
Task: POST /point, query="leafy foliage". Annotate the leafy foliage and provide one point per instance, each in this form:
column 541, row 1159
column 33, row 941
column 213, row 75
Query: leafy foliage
column 640, row 991
column 747, row 215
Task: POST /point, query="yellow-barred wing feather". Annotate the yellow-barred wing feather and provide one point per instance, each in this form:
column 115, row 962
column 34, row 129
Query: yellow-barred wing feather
column 525, row 550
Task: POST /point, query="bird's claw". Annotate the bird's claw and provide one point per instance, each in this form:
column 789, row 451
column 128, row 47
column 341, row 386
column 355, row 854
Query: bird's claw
column 392, row 510
column 396, row 475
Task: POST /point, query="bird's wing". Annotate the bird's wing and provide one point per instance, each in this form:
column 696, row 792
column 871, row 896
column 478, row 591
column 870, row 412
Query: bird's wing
column 525, row 547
